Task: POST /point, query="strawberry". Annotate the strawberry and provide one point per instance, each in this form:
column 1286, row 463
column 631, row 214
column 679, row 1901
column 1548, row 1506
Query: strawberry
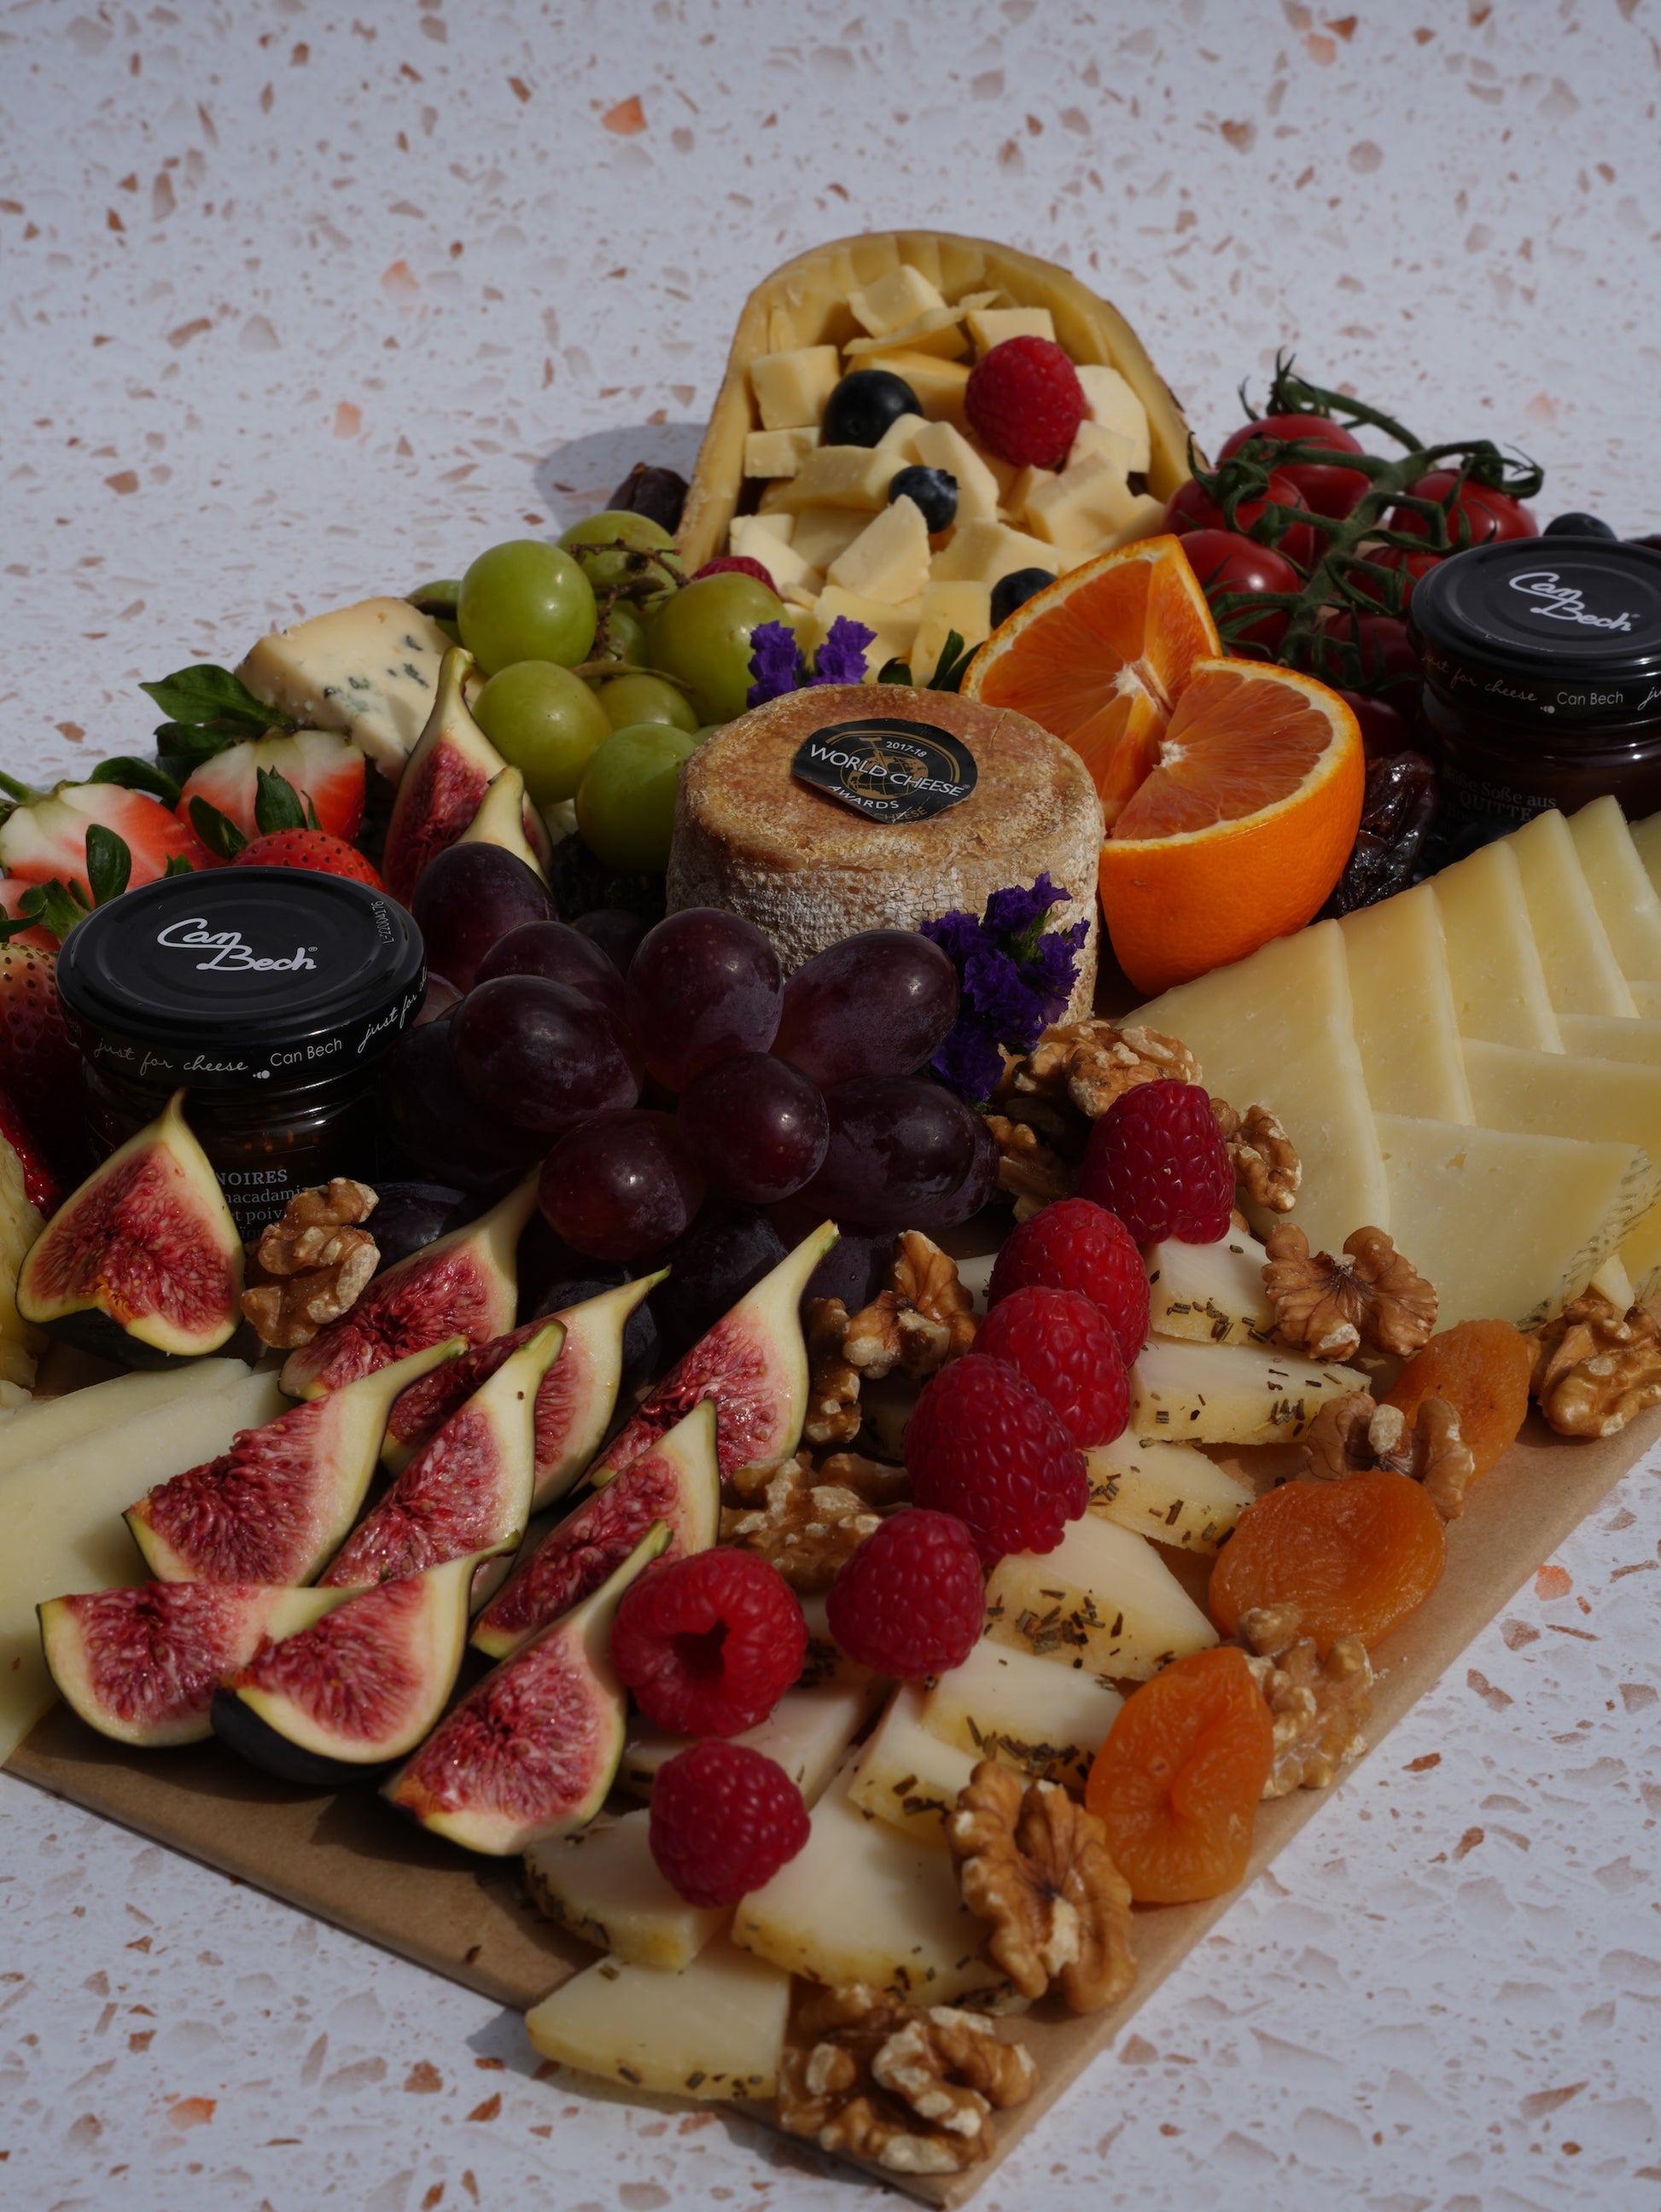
column 39, row 1180
column 40, row 1059
column 45, row 836
column 309, row 848
column 327, row 771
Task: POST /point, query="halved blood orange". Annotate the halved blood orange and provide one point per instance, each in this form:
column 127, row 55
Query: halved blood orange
column 1239, row 829
column 1100, row 658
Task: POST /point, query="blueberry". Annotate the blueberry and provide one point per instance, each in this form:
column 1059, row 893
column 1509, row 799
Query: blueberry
column 1577, row 525
column 1014, row 590
column 864, row 405
column 933, row 490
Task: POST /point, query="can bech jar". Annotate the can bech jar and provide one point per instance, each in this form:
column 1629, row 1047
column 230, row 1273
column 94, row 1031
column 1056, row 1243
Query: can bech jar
column 268, row 996
column 1542, row 678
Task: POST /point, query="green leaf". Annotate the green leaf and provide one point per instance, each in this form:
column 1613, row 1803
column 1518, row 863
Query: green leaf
column 205, row 695
column 136, row 774
column 952, row 665
column 276, row 803
column 894, row 671
column 54, row 906
column 109, row 864
column 312, row 821
column 217, row 831
column 177, row 865
column 181, row 749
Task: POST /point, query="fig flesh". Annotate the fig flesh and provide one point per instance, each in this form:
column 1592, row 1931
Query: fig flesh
column 141, row 1665
column 675, row 1480
column 468, row 1489
column 574, row 1404
column 445, row 779
column 142, row 1263
column 500, row 820
column 532, row 1750
column 278, row 1505
column 465, row 1285
column 753, row 1363
column 343, row 1698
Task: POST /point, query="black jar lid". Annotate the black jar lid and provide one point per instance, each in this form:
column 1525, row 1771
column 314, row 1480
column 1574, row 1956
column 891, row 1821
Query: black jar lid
column 239, row 975
column 1567, row 627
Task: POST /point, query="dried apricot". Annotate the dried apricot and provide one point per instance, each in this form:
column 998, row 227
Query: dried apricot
column 1177, row 1781
column 1482, row 1369
column 1355, row 1556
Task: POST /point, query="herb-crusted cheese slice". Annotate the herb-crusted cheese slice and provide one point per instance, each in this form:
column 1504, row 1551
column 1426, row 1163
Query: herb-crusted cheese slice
column 368, row 670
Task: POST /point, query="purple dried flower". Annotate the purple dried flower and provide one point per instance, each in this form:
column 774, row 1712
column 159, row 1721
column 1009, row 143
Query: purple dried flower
column 1010, row 911
column 1015, row 976
column 840, row 656
column 957, row 934
column 774, row 663
column 968, row 1062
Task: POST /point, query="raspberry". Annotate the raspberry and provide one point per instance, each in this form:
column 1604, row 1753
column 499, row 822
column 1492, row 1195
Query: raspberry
column 724, row 1820
column 1158, row 1160
column 1061, row 1341
column 910, row 1601
column 983, row 1444
column 709, row 1644
column 1023, row 400
column 1075, row 1246
column 734, row 564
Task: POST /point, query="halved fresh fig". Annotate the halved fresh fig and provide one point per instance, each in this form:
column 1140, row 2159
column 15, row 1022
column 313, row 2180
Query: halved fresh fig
column 280, row 1501
column 753, row 1363
column 575, row 1405
column 444, row 778
column 675, row 1480
column 500, row 820
column 339, row 1701
column 465, row 1285
column 141, row 1665
column 467, row 1489
column 533, row 1751
column 142, row 1263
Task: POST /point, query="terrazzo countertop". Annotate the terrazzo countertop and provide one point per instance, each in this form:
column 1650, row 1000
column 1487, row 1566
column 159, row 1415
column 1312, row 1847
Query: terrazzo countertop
column 300, row 304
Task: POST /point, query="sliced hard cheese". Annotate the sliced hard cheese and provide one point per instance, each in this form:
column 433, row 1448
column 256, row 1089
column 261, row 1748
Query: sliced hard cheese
column 715, row 2029
column 1582, row 972
column 1103, row 1599
column 751, row 837
column 1228, row 1394
column 1508, row 1226
column 1044, row 1721
column 35, row 1432
column 62, row 1515
column 1607, row 1037
column 1558, row 1094
column 1499, row 985
column 603, row 1884
column 1626, row 899
column 1613, row 1282
column 907, row 1776
column 864, row 1902
column 1639, row 1254
column 1646, row 997
column 806, row 1732
column 368, row 670
column 1171, row 1493
column 1211, row 1293
column 1276, row 1030
column 1646, row 842
column 1406, row 1027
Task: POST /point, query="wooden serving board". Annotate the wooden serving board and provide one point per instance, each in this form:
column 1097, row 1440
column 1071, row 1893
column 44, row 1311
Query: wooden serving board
column 350, row 1861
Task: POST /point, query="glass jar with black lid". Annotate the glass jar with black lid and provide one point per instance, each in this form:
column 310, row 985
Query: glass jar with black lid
column 269, row 996
column 1542, row 678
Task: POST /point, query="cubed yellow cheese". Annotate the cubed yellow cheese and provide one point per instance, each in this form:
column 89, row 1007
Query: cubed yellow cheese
column 896, row 627
column 1113, row 404
column 1021, row 491
column 1499, row 985
column 1112, row 445
column 965, row 608
column 777, row 554
column 791, row 388
column 839, row 476
column 821, row 532
column 1625, row 898
column 981, row 552
column 1406, row 1027
column 936, row 330
column 1582, row 972
column 1089, row 499
column 938, row 384
column 778, row 452
column 888, row 559
column 899, row 439
column 779, row 525
column 938, row 446
column 990, row 326
column 896, row 299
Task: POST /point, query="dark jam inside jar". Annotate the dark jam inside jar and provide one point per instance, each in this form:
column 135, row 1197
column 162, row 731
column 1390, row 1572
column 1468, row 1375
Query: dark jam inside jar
column 269, row 996
column 1542, row 679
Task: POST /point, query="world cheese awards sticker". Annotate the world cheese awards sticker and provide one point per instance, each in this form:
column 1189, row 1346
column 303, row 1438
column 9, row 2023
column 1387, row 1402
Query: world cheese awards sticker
column 887, row 769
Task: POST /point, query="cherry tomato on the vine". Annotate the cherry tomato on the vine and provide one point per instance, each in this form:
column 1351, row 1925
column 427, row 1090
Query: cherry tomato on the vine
column 1192, row 508
column 1224, row 561
column 1489, row 514
column 1386, row 730
column 1328, row 489
column 1388, row 661
column 1411, row 567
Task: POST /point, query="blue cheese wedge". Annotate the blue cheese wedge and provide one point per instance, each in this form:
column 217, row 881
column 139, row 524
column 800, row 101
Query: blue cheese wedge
column 368, row 670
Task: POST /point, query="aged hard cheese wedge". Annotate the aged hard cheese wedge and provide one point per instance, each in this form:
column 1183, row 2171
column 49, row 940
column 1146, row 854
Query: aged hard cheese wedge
column 369, row 670
column 907, row 1776
column 1014, row 1706
column 1170, row 1492
column 37, row 1430
column 1228, row 1394
column 715, row 2029
column 1607, row 1037
column 603, row 1884
column 1103, row 1599
column 1406, row 1029
column 1508, row 1226
column 1499, row 985
column 1558, row 1094
column 806, row 1732
column 1646, row 843
column 1582, row 972
column 807, row 870
column 1210, row 1293
column 1276, row 1029
column 1626, row 899
column 1639, row 1254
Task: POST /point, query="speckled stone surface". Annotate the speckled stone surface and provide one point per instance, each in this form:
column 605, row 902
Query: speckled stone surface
column 302, row 303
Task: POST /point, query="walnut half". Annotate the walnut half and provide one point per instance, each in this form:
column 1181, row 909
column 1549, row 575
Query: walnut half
column 922, row 1319
column 1596, row 1367
column 807, row 1527
column 1330, row 1309
column 1351, row 1435
column 1093, row 1062
column 310, row 1267
column 1265, row 1158
column 833, row 1383
column 1318, row 1705
column 1035, row 1863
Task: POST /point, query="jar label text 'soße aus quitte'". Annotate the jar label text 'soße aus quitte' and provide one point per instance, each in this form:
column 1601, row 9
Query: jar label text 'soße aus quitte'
column 887, row 769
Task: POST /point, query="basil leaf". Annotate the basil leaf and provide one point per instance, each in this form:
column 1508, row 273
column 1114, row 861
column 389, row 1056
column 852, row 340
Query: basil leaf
column 136, row 774
column 952, row 665
column 177, row 865
column 181, row 749
column 109, row 864
column 204, row 694
column 276, row 803
column 217, row 831
column 894, row 671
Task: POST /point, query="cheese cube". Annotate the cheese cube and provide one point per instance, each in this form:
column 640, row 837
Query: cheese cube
column 1231, row 1393
column 1209, row 1293
column 839, row 476
column 896, row 627
column 791, row 388
column 780, row 526
column 369, row 672
column 603, row 1884
column 1015, row 499
column 990, row 326
column 938, row 446
column 965, row 607
column 970, row 301
column 981, row 552
column 1171, row 1493
column 1096, row 438
column 899, row 439
column 777, row 453
column 1113, row 404
column 1088, row 501
column 1144, row 519
column 1043, row 1721
column 888, row 559
column 898, row 297
column 937, row 331
column 939, row 385
column 789, row 571
column 907, row 1776
column 715, row 2029
column 1102, row 1600
column 821, row 532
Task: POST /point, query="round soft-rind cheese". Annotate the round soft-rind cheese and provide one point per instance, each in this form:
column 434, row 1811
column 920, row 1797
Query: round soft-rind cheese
column 808, row 871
